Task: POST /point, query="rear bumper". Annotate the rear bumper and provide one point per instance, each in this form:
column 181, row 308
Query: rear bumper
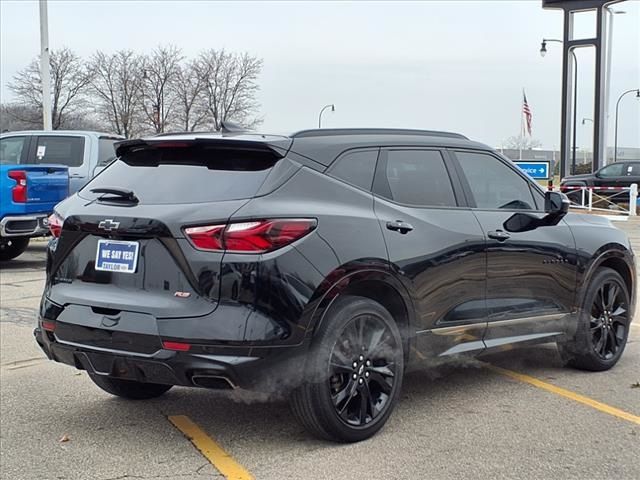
column 273, row 369
column 24, row 226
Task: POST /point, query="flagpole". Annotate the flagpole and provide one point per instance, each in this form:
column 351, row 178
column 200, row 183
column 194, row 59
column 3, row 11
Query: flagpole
column 521, row 127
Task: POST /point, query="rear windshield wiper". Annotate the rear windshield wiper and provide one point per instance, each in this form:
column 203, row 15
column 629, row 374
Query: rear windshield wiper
column 122, row 193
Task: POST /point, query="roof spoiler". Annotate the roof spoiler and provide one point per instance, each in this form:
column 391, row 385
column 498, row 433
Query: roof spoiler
column 223, row 143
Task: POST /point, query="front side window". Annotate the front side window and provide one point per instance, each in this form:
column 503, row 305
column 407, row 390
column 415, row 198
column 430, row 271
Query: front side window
column 356, row 168
column 11, row 149
column 613, row 170
column 418, row 177
column 493, row 184
column 65, row 150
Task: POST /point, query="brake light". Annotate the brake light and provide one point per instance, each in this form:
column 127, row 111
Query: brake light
column 176, row 346
column 48, row 325
column 19, row 191
column 250, row 237
column 55, row 222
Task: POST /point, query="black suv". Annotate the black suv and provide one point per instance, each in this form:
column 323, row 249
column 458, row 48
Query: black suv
column 322, row 265
column 619, row 174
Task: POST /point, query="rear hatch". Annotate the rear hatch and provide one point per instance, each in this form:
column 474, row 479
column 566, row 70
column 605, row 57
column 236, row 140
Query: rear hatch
column 33, row 188
column 123, row 245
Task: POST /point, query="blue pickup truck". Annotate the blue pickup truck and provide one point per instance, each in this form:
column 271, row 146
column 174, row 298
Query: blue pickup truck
column 28, row 194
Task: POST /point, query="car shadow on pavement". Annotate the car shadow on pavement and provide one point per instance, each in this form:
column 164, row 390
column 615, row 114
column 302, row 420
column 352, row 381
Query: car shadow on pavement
column 248, row 420
column 34, row 258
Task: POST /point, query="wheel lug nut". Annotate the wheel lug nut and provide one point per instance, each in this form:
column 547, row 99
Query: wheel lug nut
column 360, row 381
column 361, row 357
column 355, row 364
column 366, row 374
column 368, row 363
column 354, row 376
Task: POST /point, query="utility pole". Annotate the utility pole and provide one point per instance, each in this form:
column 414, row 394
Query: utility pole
column 45, row 73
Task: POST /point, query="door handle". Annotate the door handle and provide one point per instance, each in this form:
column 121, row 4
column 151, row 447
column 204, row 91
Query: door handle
column 76, row 175
column 499, row 235
column 399, row 226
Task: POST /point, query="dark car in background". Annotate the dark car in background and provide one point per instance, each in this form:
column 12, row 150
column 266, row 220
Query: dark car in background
column 322, row 265
column 618, row 174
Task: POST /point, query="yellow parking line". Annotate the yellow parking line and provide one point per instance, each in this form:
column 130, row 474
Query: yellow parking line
column 576, row 397
column 213, row 452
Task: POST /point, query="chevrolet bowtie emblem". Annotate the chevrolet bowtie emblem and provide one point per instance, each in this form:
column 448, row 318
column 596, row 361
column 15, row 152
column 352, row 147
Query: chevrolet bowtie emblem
column 108, row 225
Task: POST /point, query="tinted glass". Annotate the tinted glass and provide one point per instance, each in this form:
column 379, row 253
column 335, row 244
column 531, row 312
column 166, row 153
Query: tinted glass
column 357, row 168
column 63, row 150
column 419, row 177
column 613, row 170
column 11, row 150
column 493, row 184
column 106, row 151
column 185, row 175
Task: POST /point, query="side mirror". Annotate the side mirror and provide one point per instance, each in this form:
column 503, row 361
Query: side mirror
column 556, row 204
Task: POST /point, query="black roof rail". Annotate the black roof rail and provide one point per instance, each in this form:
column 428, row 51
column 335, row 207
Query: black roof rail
column 328, row 132
column 183, row 132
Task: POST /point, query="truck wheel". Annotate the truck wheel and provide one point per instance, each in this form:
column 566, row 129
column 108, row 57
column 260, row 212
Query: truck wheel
column 11, row 247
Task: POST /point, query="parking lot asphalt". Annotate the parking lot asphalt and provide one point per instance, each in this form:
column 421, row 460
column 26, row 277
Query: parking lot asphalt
column 528, row 418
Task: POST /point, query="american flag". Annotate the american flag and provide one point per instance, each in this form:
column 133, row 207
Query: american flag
column 527, row 112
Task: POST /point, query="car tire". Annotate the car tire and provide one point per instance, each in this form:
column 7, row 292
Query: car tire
column 11, row 247
column 603, row 324
column 128, row 388
column 353, row 373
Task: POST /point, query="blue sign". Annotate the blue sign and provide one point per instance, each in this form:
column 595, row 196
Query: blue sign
column 117, row 256
column 536, row 170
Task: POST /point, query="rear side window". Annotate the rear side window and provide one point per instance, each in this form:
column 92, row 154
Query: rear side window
column 106, row 151
column 12, row 150
column 493, row 184
column 172, row 175
column 418, row 177
column 65, row 150
column 356, row 168
column 633, row 169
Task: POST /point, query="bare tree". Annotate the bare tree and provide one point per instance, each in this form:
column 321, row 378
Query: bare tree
column 17, row 116
column 191, row 105
column 522, row 141
column 230, row 87
column 118, row 87
column 70, row 79
column 160, row 73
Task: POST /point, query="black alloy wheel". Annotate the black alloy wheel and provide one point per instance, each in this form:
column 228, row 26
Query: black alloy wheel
column 603, row 324
column 362, row 370
column 355, row 366
column 609, row 320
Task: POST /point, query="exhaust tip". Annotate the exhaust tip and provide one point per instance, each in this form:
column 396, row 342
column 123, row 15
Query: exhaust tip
column 213, row 381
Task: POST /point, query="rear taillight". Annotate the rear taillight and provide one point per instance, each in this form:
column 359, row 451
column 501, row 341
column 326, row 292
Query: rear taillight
column 19, row 191
column 250, row 237
column 55, row 222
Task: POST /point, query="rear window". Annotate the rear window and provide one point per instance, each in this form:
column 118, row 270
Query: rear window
column 186, row 174
column 65, row 150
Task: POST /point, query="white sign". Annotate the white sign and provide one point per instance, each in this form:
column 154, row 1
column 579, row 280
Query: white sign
column 41, row 150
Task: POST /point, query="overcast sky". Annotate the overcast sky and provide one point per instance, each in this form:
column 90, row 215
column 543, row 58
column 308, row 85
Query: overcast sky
column 453, row 65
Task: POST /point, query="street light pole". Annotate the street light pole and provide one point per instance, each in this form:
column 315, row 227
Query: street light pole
column 615, row 146
column 333, row 109
column 607, row 92
column 543, row 51
column 45, row 74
